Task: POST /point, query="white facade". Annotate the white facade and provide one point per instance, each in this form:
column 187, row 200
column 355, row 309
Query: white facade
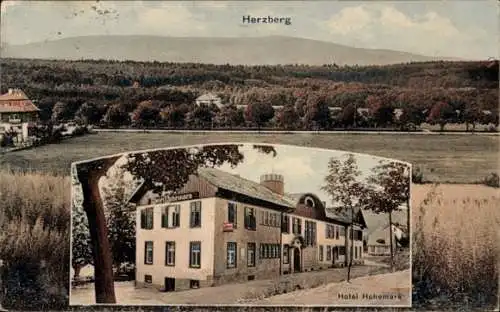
column 209, row 99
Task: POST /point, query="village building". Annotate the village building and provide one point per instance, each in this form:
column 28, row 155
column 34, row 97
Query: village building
column 221, row 228
column 376, row 235
column 17, row 114
column 209, row 99
column 379, row 242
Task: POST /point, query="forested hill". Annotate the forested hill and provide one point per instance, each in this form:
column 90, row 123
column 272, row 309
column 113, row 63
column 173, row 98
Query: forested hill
column 128, row 83
column 270, row 50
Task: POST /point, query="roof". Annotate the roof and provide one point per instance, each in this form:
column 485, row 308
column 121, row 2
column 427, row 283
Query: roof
column 16, row 101
column 208, row 97
column 237, row 184
column 379, row 233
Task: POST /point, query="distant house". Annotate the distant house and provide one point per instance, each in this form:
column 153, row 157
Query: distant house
column 18, row 114
column 209, row 99
column 379, row 241
column 398, row 112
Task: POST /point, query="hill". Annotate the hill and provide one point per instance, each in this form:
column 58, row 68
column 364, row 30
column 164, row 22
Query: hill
column 269, row 50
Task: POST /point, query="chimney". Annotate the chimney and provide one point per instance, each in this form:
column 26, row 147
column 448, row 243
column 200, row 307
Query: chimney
column 274, row 182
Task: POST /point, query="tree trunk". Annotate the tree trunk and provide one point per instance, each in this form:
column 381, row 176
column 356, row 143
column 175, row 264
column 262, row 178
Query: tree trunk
column 441, row 127
column 391, row 240
column 466, row 126
column 77, row 268
column 89, row 175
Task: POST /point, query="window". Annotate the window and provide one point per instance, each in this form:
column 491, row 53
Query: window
column 310, row 233
column 328, row 231
column 251, row 254
column 336, row 232
column 148, row 279
column 266, row 218
column 195, row 214
column 342, row 231
column 328, row 253
column 358, row 235
column 372, row 248
column 261, row 251
column 232, row 214
column 170, row 253
column 320, row 253
column 297, row 226
column 148, row 254
column 342, row 250
column 147, row 218
column 266, row 251
column 231, row 255
column 194, row 254
column 194, row 284
column 170, row 216
column 250, row 219
column 286, row 254
column 285, row 224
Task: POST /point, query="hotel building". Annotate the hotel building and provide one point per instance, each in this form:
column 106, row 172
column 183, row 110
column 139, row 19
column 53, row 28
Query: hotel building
column 221, row 228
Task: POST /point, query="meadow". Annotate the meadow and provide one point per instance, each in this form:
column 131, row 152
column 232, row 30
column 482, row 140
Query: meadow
column 442, row 158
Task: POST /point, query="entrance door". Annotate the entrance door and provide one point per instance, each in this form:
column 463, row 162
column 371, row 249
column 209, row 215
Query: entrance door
column 169, row 284
column 335, row 254
column 296, row 260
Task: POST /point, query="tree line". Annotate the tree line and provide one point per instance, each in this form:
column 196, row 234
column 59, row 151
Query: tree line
column 122, row 94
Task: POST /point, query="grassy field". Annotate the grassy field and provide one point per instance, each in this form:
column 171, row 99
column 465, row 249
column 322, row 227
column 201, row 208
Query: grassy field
column 443, row 158
column 455, row 253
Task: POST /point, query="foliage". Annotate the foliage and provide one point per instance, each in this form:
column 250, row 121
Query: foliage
column 120, row 220
column 344, row 189
column 492, row 180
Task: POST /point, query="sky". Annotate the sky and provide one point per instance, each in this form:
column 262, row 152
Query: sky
column 464, row 29
column 304, row 169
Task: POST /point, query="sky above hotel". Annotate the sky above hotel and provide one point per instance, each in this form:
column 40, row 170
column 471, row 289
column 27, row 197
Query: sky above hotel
column 466, row 29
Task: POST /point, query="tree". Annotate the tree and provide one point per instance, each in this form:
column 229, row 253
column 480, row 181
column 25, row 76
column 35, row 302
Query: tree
column 381, row 110
column 288, row 118
column 59, row 112
column 412, row 114
column 344, row 189
column 175, row 116
column 348, row 116
column 317, row 114
column 389, row 188
column 88, row 113
column 200, row 117
column 81, row 244
column 120, row 220
column 146, row 114
column 229, row 116
column 441, row 113
column 259, row 113
column 116, row 116
column 471, row 115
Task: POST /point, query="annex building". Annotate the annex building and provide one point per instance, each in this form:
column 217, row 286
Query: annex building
column 221, row 228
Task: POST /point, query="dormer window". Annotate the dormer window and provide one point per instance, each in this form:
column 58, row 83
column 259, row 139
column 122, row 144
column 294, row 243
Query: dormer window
column 309, row 201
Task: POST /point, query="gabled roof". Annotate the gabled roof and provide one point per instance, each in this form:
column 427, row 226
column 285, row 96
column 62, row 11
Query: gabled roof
column 16, row 101
column 237, row 184
column 345, row 216
column 375, row 221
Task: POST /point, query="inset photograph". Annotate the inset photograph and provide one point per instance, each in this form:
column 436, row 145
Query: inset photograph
column 241, row 224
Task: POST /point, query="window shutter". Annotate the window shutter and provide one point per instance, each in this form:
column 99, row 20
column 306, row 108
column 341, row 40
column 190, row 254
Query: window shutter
column 164, row 219
column 143, row 219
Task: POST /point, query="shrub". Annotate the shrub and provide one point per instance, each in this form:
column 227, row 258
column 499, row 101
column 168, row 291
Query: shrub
column 417, row 176
column 492, row 180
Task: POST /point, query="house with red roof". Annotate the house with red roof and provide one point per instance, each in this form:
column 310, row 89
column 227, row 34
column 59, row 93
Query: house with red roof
column 18, row 114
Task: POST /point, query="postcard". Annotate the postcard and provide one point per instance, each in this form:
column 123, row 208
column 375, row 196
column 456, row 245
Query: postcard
column 249, row 155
